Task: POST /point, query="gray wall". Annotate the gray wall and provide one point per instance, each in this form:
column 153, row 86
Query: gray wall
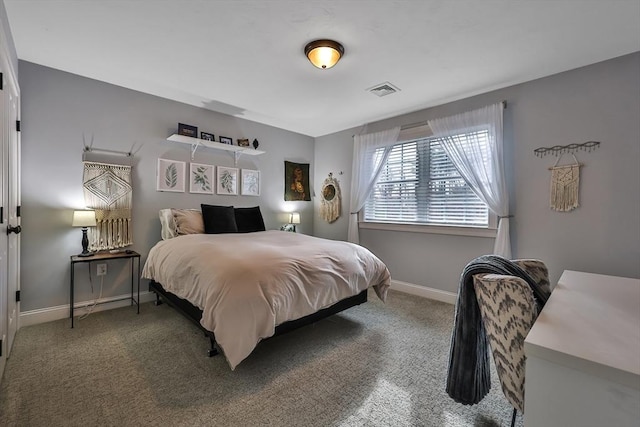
column 58, row 108
column 600, row 102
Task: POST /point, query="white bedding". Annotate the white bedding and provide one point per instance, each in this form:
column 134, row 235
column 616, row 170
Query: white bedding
column 248, row 283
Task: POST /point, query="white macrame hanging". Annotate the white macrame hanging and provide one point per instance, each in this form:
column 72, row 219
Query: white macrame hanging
column 330, row 207
column 107, row 189
column 565, row 186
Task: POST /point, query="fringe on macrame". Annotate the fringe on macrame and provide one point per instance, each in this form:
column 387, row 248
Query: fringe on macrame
column 565, row 186
column 330, row 211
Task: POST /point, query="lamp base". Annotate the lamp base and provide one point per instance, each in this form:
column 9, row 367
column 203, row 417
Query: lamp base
column 85, row 254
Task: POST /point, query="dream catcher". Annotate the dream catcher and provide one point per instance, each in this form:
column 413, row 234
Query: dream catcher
column 330, row 207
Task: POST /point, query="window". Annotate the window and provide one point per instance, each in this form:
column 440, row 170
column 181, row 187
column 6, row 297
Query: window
column 419, row 184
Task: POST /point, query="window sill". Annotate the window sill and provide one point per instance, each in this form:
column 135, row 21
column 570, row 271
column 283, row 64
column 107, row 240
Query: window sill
column 430, row 229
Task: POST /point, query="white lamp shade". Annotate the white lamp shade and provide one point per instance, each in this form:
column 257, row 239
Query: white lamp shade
column 294, row 218
column 84, row 219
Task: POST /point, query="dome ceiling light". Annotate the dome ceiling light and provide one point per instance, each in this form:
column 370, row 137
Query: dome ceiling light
column 324, row 53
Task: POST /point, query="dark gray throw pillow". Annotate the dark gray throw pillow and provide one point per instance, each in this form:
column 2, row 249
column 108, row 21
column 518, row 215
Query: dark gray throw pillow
column 218, row 219
column 249, row 220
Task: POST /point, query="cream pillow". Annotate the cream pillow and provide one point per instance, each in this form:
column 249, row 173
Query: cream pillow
column 168, row 230
column 188, row 221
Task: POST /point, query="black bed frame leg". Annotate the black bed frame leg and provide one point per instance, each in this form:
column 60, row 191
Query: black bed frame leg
column 158, row 300
column 213, row 351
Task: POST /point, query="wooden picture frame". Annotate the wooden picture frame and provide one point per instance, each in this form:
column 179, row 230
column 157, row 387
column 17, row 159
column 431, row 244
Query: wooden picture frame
column 170, row 175
column 227, row 181
column 250, row 182
column 201, row 178
column 243, row 142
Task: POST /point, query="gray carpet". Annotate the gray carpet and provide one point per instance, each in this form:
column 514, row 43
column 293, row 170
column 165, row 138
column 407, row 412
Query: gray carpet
column 372, row 365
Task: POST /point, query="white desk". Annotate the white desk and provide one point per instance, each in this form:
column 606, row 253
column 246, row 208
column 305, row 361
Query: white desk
column 583, row 354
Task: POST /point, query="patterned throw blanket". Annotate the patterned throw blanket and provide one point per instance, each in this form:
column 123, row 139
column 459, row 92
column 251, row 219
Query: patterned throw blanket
column 468, row 378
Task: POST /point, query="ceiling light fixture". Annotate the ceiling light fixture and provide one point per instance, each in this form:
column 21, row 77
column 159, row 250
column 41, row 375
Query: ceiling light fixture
column 324, row 53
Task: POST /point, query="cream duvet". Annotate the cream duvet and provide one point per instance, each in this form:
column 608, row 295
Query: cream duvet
column 246, row 284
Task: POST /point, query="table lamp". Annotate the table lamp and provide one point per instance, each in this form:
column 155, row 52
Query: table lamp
column 294, row 218
column 84, row 219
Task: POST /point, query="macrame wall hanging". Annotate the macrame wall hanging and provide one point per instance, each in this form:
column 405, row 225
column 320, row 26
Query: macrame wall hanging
column 565, row 186
column 565, row 180
column 107, row 190
column 331, row 197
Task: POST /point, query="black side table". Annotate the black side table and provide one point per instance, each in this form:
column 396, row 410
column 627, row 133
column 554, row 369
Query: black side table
column 105, row 256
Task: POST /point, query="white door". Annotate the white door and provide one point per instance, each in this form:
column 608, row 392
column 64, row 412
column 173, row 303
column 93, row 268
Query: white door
column 4, row 240
column 10, row 213
column 13, row 256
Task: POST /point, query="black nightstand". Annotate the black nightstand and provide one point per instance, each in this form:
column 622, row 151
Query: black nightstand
column 106, row 256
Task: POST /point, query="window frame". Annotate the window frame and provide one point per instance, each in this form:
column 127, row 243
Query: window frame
column 406, row 136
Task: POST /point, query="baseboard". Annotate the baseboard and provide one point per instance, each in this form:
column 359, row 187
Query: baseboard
column 425, row 292
column 49, row 314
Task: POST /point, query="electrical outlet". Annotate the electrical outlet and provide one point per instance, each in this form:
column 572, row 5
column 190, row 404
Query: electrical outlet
column 101, row 269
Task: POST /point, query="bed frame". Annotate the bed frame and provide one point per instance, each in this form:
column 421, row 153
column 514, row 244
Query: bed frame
column 194, row 314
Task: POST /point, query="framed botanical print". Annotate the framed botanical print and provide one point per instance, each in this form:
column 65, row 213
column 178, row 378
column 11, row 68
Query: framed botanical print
column 250, row 182
column 227, row 181
column 170, row 175
column 200, row 178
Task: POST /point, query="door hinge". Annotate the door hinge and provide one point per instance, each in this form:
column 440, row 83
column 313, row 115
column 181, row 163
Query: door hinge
column 17, row 296
column 1, row 81
column 18, row 211
column 1, row 214
column 0, row 348
column 18, row 125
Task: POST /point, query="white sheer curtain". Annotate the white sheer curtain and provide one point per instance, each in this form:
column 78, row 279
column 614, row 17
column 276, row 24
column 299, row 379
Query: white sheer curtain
column 482, row 169
column 367, row 163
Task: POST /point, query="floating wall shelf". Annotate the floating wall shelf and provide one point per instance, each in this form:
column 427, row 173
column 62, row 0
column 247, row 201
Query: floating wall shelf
column 197, row 142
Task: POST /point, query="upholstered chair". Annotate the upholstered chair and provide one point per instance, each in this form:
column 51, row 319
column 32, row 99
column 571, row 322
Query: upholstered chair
column 508, row 310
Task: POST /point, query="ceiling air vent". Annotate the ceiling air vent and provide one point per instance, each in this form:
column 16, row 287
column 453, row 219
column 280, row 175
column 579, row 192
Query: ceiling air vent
column 383, row 89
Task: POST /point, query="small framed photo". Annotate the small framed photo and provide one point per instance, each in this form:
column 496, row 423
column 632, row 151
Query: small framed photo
column 225, row 140
column 243, row 142
column 170, row 175
column 207, row 136
column 250, row 182
column 227, row 181
column 187, row 130
column 200, row 178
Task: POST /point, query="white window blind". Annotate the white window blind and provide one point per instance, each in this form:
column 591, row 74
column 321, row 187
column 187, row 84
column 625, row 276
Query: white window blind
column 420, row 185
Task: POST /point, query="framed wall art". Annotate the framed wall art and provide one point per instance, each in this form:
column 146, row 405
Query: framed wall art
column 226, row 140
column 227, row 181
column 170, row 175
column 187, row 130
column 207, row 136
column 200, row 178
column 250, row 182
column 296, row 181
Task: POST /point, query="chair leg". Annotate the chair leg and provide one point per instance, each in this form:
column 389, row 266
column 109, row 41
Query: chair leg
column 513, row 417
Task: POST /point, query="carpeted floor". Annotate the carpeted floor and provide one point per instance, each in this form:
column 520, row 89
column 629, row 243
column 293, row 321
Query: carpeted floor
column 372, row 365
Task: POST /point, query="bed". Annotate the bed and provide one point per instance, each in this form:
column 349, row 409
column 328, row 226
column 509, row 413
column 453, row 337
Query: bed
column 241, row 287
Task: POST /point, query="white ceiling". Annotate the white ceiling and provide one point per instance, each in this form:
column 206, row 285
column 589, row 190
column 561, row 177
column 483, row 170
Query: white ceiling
column 245, row 58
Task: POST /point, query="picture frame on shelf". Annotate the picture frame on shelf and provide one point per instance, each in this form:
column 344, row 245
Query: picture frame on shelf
column 227, row 181
column 243, row 142
column 170, row 175
column 226, row 140
column 201, row 178
column 207, row 136
column 187, row 130
column 250, row 182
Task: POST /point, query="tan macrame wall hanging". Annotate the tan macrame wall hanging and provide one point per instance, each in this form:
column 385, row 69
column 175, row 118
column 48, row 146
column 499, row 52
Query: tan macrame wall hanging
column 565, row 186
column 331, row 197
column 107, row 190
